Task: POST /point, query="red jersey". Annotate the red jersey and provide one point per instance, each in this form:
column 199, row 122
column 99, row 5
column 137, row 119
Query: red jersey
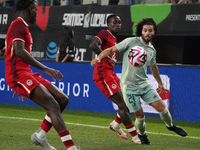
column 104, row 67
column 14, row 66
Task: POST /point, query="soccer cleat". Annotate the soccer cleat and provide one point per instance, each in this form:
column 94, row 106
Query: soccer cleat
column 119, row 132
column 136, row 139
column 144, row 139
column 42, row 142
column 180, row 131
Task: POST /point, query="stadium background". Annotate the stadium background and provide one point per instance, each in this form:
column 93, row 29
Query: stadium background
column 176, row 43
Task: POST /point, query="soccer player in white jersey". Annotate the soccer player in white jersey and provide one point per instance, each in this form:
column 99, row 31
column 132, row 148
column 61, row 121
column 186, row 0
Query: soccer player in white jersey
column 134, row 82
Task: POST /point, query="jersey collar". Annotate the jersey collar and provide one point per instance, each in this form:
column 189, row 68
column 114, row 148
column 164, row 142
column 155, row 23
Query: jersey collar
column 146, row 44
column 111, row 34
column 23, row 21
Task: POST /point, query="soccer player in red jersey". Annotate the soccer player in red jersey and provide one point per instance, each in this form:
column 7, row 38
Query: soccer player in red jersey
column 23, row 81
column 106, row 79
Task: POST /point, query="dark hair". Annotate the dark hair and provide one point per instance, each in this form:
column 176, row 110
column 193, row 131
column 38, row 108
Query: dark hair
column 110, row 17
column 23, row 4
column 65, row 38
column 145, row 21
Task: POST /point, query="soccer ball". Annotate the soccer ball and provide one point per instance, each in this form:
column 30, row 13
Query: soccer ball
column 137, row 56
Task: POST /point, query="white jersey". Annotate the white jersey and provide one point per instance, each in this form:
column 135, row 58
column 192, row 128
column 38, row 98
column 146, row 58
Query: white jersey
column 135, row 77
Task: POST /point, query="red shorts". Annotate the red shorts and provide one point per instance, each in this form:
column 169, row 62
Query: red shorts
column 27, row 82
column 108, row 85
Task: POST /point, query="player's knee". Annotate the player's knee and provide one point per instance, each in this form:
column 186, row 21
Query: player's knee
column 139, row 116
column 63, row 100
column 122, row 107
column 53, row 105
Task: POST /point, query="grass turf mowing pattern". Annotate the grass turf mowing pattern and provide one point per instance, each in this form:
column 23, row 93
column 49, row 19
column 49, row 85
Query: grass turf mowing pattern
column 15, row 133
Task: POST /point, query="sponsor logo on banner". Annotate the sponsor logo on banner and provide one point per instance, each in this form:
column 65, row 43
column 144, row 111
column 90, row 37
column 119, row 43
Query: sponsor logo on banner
column 4, row 19
column 37, row 54
column 51, row 50
column 4, row 86
column 74, row 89
column 165, row 97
column 70, row 88
column 192, row 17
column 85, row 20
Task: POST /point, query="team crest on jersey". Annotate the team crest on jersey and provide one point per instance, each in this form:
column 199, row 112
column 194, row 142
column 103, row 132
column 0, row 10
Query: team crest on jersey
column 114, row 86
column 29, row 82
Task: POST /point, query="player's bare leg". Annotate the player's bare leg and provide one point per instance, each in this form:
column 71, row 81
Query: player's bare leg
column 46, row 125
column 44, row 98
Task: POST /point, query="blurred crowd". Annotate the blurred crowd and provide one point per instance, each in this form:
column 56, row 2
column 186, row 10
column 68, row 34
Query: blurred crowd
column 182, row 1
column 11, row 3
column 8, row 3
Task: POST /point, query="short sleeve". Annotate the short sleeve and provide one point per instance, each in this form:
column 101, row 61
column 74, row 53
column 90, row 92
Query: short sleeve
column 123, row 45
column 18, row 31
column 102, row 36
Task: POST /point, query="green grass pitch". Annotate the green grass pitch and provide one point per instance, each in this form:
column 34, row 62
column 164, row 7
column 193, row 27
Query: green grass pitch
column 89, row 130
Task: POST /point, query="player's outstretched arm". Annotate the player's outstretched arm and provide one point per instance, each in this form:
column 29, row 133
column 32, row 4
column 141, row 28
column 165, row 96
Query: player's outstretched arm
column 95, row 45
column 26, row 57
column 104, row 54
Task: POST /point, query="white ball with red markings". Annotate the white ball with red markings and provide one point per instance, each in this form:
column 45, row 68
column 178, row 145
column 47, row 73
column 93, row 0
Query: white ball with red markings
column 137, row 56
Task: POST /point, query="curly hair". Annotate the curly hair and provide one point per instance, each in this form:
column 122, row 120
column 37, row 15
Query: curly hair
column 145, row 21
column 23, row 4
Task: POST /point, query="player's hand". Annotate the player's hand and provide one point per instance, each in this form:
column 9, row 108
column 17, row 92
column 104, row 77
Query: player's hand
column 94, row 61
column 53, row 73
column 161, row 89
column 21, row 97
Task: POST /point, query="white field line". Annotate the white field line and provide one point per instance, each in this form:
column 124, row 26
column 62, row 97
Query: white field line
column 94, row 126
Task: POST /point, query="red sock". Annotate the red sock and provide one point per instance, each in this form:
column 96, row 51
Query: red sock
column 66, row 138
column 131, row 129
column 118, row 119
column 46, row 124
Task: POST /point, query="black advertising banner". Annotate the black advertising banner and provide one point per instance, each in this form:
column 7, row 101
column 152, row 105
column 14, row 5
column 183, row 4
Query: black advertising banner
column 86, row 21
column 183, row 20
column 7, row 15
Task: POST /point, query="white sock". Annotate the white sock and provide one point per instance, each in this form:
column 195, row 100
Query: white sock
column 41, row 134
column 115, row 124
column 72, row 148
column 166, row 117
column 140, row 125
